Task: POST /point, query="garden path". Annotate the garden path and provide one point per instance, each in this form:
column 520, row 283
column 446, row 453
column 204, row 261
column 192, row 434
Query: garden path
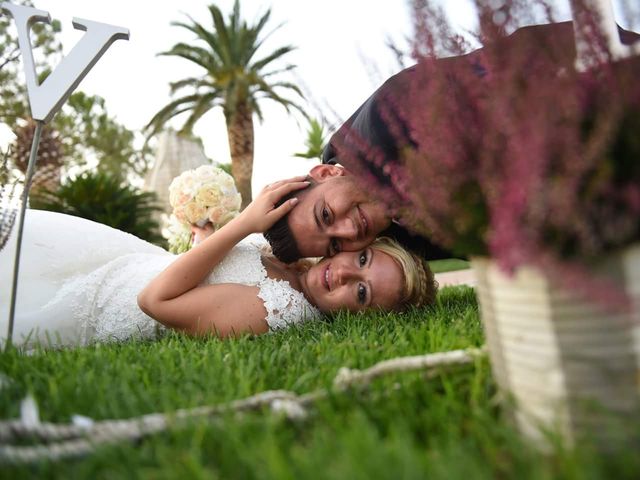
column 457, row 277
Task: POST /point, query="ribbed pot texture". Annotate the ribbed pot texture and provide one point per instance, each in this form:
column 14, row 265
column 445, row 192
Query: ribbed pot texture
column 567, row 365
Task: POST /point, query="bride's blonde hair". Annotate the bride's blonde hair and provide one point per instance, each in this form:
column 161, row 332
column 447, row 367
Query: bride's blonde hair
column 420, row 287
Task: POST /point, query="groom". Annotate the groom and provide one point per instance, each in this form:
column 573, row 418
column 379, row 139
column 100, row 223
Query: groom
column 337, row 213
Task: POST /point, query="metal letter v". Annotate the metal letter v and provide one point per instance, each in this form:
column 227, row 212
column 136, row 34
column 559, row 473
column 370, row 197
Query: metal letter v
column 47, row 98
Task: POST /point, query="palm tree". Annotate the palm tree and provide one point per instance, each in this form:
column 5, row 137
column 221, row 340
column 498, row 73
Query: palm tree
column 232, row 79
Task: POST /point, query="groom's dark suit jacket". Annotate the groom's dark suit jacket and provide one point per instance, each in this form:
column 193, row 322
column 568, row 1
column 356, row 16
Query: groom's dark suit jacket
column 367, row 124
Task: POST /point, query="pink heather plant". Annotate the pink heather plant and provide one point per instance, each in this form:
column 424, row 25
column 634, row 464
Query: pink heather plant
column 512, row 152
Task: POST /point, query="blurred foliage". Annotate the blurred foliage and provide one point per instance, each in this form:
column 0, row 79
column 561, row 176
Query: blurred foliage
column 315, row 141
column 88, row 131
column 106, row 199
column 225, row 167
column 89, row 134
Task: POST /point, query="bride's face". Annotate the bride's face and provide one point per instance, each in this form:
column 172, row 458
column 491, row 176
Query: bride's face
column 354, row 281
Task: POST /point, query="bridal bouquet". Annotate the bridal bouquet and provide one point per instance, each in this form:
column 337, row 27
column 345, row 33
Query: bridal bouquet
column 199, row 196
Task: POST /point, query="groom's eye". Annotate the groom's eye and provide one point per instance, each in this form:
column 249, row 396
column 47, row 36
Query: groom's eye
column 335, row 246
column 325, row 215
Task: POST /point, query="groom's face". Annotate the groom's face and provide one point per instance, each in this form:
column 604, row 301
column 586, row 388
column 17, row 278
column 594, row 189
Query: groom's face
column 335, row 215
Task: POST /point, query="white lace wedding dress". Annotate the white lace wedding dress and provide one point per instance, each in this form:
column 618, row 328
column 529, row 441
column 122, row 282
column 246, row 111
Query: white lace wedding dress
column 79, row 281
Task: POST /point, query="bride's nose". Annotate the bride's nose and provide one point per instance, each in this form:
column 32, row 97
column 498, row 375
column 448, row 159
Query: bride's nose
column 345, row 273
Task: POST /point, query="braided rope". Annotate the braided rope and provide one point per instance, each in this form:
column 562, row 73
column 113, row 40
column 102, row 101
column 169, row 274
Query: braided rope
column 60, row 441
column 347, row 377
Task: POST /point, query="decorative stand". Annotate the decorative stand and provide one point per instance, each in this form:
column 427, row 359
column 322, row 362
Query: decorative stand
column 47, row 98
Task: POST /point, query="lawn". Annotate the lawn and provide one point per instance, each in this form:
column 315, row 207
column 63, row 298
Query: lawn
column 405, row 425
column 448, row 265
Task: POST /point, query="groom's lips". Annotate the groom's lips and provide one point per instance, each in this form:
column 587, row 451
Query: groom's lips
column 363, row 223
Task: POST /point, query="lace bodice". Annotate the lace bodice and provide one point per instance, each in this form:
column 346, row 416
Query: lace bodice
column 94, row 292
column 285, row 305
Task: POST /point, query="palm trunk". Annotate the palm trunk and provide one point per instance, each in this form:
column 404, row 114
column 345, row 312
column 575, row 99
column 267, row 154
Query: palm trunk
column 47, row 174
column 46, row 178
column 240, row 132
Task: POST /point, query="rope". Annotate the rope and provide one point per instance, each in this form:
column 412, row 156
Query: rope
column 60, row 441
column 347, row 377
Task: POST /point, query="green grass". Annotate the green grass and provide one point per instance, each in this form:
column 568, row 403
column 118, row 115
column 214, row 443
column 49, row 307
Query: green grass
column 404, row 426
column 448, row 265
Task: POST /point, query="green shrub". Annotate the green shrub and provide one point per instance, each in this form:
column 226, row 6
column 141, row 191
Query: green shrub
column 105, row 199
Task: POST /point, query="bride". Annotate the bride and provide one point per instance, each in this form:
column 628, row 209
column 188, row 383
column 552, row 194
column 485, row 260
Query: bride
column 82, row 282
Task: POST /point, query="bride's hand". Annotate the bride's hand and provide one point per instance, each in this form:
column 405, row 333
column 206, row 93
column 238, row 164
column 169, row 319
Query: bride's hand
column 198, row 234
column 262, row 213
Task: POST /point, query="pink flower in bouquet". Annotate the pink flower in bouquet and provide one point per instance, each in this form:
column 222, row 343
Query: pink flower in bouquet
column 205, row 194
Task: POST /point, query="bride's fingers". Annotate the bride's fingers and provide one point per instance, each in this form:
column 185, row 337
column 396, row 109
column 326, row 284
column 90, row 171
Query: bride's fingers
column 279, row 183
column 287, row 188
column 283, row 209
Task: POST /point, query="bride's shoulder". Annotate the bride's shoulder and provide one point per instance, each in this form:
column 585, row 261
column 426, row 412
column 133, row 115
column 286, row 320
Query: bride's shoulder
column 256, row 239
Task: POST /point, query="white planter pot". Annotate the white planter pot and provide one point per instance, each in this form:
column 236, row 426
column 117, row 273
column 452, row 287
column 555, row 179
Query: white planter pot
column 569, row 365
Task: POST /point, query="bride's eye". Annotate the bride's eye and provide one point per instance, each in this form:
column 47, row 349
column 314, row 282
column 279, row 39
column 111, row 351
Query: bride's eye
column 363, row 258
column 362, row 294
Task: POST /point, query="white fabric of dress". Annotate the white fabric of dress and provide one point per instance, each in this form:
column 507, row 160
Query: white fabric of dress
column 79, row 281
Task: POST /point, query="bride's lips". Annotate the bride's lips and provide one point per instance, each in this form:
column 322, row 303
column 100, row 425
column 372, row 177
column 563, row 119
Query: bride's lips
column 325, row 277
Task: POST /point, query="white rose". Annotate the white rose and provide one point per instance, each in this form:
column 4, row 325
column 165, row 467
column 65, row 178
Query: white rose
column 232, row 202
column 208, row 196
column 180, row 214
column 194, row 212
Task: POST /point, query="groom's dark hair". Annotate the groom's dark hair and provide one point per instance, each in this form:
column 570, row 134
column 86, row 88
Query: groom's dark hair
column 280, row 236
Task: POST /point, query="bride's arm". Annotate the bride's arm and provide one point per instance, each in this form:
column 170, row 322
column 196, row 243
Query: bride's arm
column 223, row 310
column 175, row 298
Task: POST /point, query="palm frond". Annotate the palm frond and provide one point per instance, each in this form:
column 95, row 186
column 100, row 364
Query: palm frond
column 222, row 33
column 269, row 87
column 263, row 21
column 169, row 111
column 193, row 82
column 210, row 38
column 196, row 28
column 204, row 104
column 287, row 104
column 235, row 15
column 264, row 37
column 199, row 56
column 255, row 107
column 279, row 71
column 260, row 64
